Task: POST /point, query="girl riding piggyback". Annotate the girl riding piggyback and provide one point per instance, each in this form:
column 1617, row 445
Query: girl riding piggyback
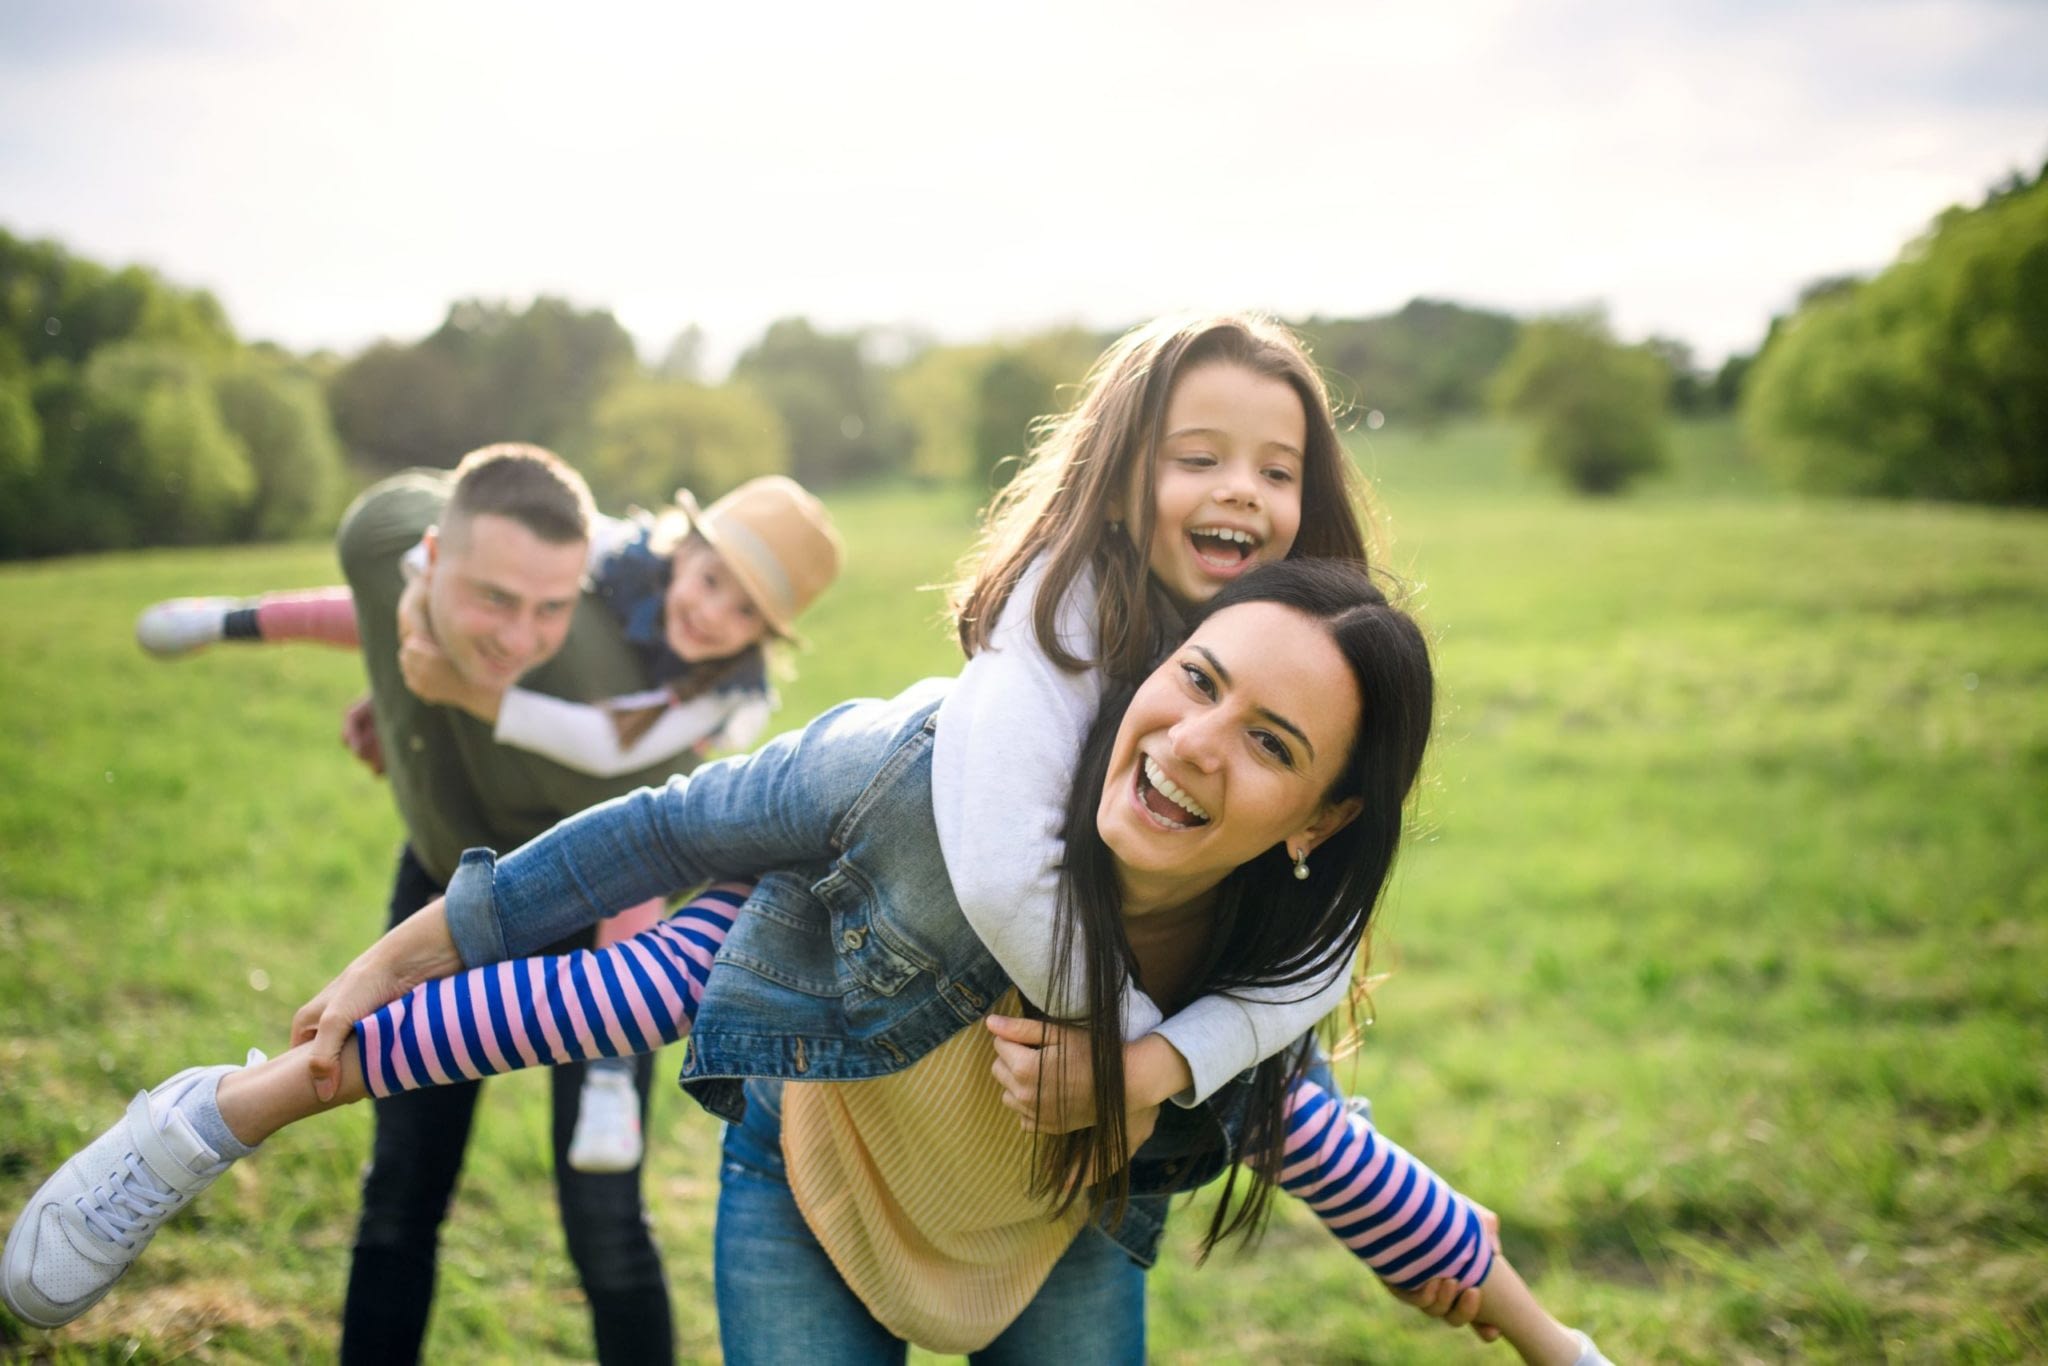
column 1200, row 448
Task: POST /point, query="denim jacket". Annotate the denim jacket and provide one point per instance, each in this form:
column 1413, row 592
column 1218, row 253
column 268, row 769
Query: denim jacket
column 851, row 960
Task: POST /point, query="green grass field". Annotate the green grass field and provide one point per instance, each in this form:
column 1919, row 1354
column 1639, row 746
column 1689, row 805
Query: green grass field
column 1718, row 965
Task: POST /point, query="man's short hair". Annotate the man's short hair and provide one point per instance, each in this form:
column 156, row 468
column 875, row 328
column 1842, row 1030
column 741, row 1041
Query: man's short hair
column 529, row 484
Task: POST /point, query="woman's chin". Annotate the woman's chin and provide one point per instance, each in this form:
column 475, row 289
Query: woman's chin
column 1152, row 850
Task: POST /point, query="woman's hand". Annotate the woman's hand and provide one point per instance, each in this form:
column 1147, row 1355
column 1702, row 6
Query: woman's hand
column 417, row 949
column 1445, row 1298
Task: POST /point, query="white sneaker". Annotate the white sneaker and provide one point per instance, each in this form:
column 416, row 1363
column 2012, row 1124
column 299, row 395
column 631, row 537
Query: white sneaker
column 607, row 1137
column 89, row 1222
column 182, row 625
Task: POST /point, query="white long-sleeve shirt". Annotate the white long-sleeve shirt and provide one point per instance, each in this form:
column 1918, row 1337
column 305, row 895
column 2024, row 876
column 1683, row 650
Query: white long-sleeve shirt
column 583, row 735
column 1009, row 739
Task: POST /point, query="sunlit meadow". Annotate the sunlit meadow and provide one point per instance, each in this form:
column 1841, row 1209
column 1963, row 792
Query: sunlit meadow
column 1718, row 964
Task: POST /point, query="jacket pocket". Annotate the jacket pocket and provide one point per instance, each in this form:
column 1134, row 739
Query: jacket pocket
column 867, row 959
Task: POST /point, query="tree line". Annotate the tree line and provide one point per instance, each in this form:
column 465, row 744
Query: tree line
column 1929, row 380
column 132, row 415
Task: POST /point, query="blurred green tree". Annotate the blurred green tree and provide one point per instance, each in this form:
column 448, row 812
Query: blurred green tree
column 58, row 307
column 538, row 373
column 1729, row 379
column 1597, row 406
column 131, row 415
column 1691, row 391
column 395, row 406
column 488, row 373
column 1015, row 388
column 938, row 394
column 653, row 436
column 276, row 411
column 684, row 358
column 1023, row 382
column 21, row 458
column 1929, row 381
column 1428, row 361
column 153, row 462
column 834, row 405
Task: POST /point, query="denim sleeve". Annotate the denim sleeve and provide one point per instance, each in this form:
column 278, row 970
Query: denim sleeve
column 472, row 917
column 776, row 808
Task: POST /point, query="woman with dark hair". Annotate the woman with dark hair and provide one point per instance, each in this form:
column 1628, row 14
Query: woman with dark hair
column 1235, row 826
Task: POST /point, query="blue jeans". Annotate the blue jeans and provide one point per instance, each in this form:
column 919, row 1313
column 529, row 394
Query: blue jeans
column 781, row 1302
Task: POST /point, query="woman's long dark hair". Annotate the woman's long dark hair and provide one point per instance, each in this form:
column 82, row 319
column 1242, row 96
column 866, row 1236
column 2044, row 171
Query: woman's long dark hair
column 1270, row 928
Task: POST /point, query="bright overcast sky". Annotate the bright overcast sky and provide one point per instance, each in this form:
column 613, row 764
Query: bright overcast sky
column 339, row 173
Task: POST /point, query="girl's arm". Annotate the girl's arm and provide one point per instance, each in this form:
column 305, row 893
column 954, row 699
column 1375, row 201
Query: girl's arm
column 1220, row 1036
column 605, row 739
column 594, row 738
column 1009, row 738
column 1407, row 1224
column 1431, row 1246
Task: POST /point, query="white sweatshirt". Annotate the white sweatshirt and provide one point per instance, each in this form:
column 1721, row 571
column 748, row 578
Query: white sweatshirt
column 1009, row 739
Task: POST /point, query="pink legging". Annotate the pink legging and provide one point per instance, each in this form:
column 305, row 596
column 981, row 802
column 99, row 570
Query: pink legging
column 326, row 615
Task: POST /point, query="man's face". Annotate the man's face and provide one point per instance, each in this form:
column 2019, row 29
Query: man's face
column 500, row 598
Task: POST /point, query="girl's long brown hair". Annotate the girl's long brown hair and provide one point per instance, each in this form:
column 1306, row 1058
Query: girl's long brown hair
column 1087, row 463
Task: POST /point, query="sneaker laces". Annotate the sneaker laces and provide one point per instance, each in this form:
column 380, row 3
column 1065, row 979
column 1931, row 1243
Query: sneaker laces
column 128, row 1204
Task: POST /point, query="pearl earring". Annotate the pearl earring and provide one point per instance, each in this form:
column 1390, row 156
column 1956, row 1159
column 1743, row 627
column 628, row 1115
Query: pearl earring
column 1301, row 866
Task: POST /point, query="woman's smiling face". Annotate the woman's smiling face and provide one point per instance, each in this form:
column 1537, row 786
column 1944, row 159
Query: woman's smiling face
column 1228, row 749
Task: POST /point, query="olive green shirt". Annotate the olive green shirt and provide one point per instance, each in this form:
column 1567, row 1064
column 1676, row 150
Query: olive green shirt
column 455, row 785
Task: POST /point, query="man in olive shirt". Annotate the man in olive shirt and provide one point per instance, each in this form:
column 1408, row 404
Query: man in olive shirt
column 506, row 538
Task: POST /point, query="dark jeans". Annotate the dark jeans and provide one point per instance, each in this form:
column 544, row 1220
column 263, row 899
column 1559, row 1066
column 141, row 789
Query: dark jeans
column 406, row 1189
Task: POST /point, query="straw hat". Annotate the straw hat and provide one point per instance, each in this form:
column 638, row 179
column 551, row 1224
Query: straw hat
column 777, row 540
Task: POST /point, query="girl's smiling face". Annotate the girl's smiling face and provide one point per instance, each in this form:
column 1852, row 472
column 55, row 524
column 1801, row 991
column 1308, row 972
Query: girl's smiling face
column 1228, row 749
column 1226, row 481
column 706, row 614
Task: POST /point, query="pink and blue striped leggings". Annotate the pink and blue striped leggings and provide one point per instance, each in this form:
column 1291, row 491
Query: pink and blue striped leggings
column 633, row 996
